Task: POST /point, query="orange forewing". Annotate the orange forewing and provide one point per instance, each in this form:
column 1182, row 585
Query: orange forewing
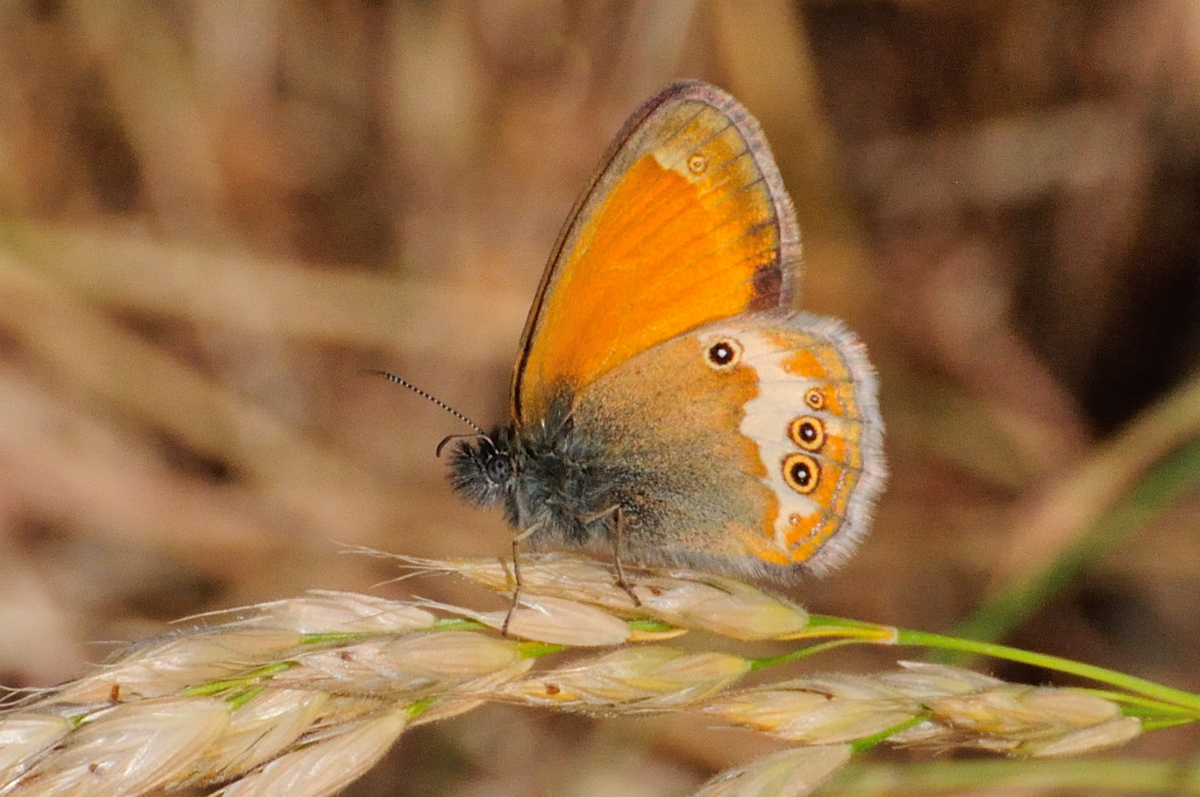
column 687, row 222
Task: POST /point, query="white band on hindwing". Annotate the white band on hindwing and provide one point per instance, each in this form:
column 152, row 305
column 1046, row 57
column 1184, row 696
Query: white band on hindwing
column 767, row 417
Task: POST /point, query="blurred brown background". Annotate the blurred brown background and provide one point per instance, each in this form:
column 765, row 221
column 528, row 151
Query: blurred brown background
column 214, row 214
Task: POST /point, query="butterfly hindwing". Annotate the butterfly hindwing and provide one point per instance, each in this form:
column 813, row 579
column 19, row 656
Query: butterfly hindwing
column 751, row 444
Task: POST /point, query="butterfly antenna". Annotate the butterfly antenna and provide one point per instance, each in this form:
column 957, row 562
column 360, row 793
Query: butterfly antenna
column 402, row 383
column 448, row 438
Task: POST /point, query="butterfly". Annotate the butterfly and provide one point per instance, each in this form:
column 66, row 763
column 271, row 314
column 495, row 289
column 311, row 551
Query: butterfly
column 668, row 405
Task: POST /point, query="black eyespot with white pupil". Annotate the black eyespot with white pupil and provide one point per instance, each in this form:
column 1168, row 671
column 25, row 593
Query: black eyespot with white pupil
column 807, row 432
column 801, row 472
column 723, row 353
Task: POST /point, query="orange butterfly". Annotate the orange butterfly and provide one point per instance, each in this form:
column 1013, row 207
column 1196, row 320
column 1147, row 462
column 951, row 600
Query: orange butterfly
column 667, row 403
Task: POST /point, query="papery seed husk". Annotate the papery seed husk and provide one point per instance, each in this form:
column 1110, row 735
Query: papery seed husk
column 998, row 711
column 1024, row 711
column 1069, row 707
column 24, row 734
column 407, row 666
column 788, row 773
column 467, row 696
column 813, row 718
column 325, row 767
column 159, row 668
column 922, row 679
column 556, row 575
column 737, row 612
column 648, row 676
column 258, row 731
column 329, row 612
column 1114, row 732
column 128, row 749
column 846, row 685
column 556, row 621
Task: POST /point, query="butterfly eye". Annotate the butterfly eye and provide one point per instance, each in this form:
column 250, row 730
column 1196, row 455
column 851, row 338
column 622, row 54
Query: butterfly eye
column 498, row 469
column 814, row 398
column 724, row 353
column 801, row 472
column 807, row 432
column 697, row 164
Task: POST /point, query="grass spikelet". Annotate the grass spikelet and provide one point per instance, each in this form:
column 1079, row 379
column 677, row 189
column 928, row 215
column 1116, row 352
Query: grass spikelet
column 1036, row 721
column 556, row 621
column 128, row 749
column 789, row 773
column 162, row 668
column 557, row 575
column 409, row 667
column 1014, row 709
column 258, row 731
column 720, row 605
column 23, row 736
column 1111, row 733
column 920, row 679
column 940, row 703
column 324, row 766
column 645, row 678
column 328, row 612
column 812, row 717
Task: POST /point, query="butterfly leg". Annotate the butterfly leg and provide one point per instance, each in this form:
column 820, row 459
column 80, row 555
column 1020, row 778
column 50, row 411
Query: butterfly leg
column 618, row 534
column 516, row 560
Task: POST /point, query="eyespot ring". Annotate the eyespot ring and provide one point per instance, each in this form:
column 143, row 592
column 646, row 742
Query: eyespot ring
column 801, row 472
column 807, row 432
column 723, row 354
column 697, row 164
column 815, row 399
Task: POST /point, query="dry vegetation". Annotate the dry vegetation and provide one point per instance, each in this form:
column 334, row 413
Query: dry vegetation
column 214, row 214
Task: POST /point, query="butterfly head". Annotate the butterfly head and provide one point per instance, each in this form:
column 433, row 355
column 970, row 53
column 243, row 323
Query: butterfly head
column 482, row 468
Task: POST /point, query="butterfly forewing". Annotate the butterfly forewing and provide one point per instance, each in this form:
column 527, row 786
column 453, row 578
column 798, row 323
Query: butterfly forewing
column 686, row 223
